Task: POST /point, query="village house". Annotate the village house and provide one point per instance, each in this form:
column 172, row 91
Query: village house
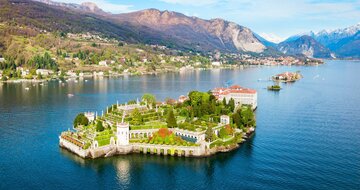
column 240, row 95
column 216, row 63
column 2, row 59
column 284, row 76
column 44, row 72
column 197, row 63
column 103, row 63
column 182, row 99
column 24, row 72
column 71, row 74
column 100, row 73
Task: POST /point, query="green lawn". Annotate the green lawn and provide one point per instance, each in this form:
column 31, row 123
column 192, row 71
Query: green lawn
column 150, row 125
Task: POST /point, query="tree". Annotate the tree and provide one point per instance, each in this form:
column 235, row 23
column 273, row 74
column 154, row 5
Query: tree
column 136, row 117
column 80, row 119
column 224, row 102
column 231, row 104
column 222, row 133
column 195, row 97
column 209, row 134
column 248, row 118
column 237, row 119
column 149, row 99
column 171, row 121
column 99, row 126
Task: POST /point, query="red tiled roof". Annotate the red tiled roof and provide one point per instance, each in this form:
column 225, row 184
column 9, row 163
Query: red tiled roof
column 232, row 89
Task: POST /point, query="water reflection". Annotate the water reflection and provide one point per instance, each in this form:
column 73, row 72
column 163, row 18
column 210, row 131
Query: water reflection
column 123, row 171
column 141, row 168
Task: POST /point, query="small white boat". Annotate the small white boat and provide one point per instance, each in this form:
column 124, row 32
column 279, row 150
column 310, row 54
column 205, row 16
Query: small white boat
column 70, row 95
column 27, row 88
column 86, row 80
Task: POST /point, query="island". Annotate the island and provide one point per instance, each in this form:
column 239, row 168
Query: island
column 275, row 87
column 287, row 77
column 197, row 125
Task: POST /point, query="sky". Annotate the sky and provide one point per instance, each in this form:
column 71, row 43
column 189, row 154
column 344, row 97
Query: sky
column 272, row 19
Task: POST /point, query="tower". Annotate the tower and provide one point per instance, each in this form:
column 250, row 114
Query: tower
column 122, row 133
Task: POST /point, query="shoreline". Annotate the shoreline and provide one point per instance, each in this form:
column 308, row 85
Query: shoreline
column 152, row 149
column 86, row 75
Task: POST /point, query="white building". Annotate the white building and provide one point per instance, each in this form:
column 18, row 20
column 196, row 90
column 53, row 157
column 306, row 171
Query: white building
column 122, row 134
column 44, row 72
column 182, row 98
column 241, row 96
column 225, row 119
column 216, row 63
column 90, row 116
column 103, row 63
column 71, row 74
column 2, row 60
column 24, row 72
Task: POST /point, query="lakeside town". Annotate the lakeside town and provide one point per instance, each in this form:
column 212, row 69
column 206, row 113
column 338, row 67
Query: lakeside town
column 70, row 55
column 109, row 68
column 197, row 125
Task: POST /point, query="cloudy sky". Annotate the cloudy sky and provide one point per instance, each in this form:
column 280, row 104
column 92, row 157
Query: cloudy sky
column 276, row 19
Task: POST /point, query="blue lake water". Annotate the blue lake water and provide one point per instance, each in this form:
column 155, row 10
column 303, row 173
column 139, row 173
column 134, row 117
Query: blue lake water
column 308, row 134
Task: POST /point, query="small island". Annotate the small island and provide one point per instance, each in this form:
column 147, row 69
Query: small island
column 198, row 125
column 274, row 87
column 287, row 77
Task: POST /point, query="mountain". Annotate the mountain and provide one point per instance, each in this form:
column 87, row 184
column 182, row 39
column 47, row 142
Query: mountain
column 58, row 18
column 193, row 32
column 331, row 37
column 349, row 47
column 148, row 26
column 305, row 45
column 85, row 7
column 343, row 42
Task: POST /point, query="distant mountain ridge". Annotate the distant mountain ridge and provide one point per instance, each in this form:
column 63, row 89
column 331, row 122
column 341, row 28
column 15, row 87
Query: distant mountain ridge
column 150, row 26
column 343, row 42
column 305, row 45
column 193, row 31
column 86, row 6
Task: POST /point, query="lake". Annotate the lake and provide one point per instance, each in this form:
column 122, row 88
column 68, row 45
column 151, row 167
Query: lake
column 307, row 136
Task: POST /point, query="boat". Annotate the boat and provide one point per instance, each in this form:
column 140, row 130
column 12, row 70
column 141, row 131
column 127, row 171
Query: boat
column 70, row 95
column 27, row 88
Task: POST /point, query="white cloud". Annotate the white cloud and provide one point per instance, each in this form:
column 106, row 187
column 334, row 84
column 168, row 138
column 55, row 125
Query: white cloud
column 104, row 5
column 191, row 2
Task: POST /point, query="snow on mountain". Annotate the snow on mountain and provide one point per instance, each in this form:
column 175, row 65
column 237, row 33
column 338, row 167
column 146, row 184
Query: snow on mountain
column 272, row 37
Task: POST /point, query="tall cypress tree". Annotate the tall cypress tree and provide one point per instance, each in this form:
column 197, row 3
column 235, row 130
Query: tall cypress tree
column 231, row 104
column 224, row 102
column 171, row 121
